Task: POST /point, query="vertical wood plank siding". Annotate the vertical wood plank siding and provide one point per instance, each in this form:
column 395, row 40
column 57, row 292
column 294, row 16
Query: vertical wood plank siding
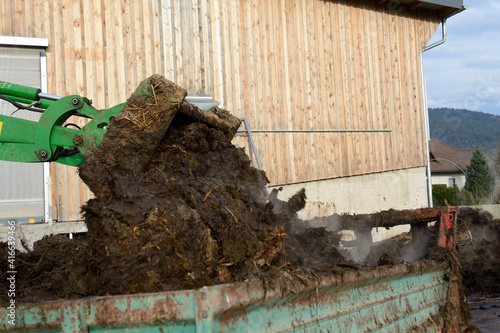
column 283, row 64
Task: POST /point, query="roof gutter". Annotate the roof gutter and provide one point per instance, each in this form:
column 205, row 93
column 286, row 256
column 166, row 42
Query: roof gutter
column 443, row 29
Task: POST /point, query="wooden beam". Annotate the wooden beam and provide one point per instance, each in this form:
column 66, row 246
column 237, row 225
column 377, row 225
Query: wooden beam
column 446, row 11
column 414, row 5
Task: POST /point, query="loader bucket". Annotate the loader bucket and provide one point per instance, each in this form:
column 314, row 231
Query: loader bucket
column 135, row 133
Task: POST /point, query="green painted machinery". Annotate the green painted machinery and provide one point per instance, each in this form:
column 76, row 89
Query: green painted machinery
column 53, row 138
column 50, row 139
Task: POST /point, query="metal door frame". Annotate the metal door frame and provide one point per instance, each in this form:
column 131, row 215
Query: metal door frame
column 42, row 44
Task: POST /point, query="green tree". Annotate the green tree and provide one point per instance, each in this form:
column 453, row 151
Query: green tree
column 480, row 179
column 496, row 169
column 496, row 164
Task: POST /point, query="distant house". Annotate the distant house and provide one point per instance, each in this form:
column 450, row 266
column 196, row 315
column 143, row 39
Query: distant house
column 448, row 165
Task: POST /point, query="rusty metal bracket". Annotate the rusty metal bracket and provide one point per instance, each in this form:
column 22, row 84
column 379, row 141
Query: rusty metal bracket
column 447, row 227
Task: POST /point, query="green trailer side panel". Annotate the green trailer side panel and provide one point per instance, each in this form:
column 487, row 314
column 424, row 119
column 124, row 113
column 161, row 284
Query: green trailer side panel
column 379, row 300
column 391, row 304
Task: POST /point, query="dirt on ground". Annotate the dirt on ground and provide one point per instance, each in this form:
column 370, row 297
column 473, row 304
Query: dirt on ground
column 480, row 252
column 178, row 206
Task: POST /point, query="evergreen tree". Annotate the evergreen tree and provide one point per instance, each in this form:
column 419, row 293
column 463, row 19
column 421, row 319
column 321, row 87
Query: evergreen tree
column 496, row 164
column 480, row 179
column 496, row 169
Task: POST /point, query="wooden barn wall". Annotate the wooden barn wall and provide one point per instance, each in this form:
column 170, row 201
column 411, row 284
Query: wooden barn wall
column 308, row 65
column 284, row 65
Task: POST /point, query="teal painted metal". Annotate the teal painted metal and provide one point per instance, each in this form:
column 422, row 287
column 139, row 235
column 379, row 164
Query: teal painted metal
column 379, row 300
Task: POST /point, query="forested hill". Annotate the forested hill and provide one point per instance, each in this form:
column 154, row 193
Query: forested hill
column 460, row 128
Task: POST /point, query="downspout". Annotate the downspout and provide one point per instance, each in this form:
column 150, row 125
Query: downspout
column 427, row 136
column 426, row 110
column 443, row 29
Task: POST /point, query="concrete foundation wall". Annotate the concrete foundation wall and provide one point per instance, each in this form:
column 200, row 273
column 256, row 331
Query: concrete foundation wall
column 493, row 209
column 402, row 189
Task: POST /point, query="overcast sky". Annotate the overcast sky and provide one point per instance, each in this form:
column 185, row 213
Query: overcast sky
column 464, row 72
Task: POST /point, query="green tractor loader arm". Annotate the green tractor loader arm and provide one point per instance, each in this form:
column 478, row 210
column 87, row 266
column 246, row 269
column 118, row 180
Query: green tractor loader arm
column 51, row 139
column 48, row 139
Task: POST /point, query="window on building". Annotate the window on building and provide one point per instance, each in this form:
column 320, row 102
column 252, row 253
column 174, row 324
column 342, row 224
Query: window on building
column 451, row 182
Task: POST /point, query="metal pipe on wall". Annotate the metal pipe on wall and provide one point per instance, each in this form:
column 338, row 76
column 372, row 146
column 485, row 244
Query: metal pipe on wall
column 427, row 136
column 443, row 30
column 319, row 131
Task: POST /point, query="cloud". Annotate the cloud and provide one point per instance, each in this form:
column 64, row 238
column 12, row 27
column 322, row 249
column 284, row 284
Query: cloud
column 479, row 17
column 465, row 71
